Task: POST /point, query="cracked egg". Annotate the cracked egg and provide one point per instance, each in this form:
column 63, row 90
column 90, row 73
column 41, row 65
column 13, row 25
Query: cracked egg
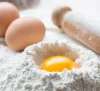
column 56, row 56
column 83, row 78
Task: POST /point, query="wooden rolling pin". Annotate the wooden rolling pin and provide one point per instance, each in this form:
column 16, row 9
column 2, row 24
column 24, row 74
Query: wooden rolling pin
column 78, row 26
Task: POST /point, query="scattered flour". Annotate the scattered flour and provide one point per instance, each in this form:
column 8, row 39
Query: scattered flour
column 20, row 73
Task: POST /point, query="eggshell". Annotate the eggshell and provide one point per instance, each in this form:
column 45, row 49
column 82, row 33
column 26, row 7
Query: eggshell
column 8, row 13
column 23, row 32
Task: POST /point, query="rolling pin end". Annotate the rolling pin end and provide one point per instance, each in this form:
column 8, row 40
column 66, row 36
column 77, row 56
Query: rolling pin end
column 58, row 14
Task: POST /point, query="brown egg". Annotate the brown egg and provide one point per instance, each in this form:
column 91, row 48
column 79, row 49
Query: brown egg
column 23, row 32
column 8, row 13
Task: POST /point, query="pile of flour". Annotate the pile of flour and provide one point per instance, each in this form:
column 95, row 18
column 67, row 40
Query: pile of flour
column 20, row 73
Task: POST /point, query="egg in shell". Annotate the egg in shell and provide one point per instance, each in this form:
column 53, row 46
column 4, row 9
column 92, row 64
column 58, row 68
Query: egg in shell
column 8, row 13
column 24, row 32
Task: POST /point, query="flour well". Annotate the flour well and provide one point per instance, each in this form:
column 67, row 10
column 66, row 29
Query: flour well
column 20, row 73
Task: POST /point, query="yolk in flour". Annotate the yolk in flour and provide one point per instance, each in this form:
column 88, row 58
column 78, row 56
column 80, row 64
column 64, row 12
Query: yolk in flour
column 58, row 64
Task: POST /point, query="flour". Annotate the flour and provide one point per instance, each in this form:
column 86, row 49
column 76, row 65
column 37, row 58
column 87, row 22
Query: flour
column 20, row 73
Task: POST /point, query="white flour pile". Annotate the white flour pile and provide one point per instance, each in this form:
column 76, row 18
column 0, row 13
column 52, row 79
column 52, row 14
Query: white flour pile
column 20, row 73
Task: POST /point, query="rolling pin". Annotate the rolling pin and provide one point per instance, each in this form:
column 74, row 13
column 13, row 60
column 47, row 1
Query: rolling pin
column 78, row 26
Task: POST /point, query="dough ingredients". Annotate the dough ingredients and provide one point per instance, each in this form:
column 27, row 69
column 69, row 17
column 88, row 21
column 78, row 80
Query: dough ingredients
column 21, row 71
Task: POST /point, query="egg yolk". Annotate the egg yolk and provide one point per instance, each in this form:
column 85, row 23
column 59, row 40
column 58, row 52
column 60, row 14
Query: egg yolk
column 58, row 64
